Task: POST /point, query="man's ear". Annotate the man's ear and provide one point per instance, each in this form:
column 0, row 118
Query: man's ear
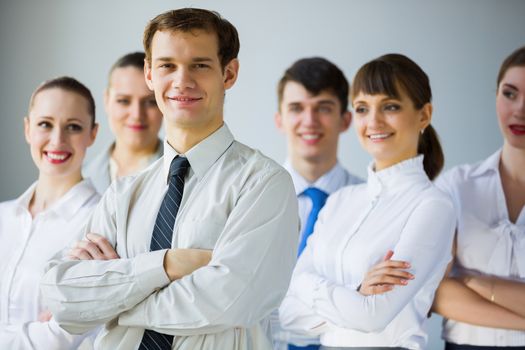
column 346, row 120
column 278, row 120
column 231, row 71
column 147, row 74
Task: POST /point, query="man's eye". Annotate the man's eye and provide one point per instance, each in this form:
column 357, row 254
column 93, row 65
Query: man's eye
column 325, row 109
column 201, row 66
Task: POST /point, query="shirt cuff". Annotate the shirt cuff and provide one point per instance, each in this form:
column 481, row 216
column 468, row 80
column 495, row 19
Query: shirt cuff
column 149, row 271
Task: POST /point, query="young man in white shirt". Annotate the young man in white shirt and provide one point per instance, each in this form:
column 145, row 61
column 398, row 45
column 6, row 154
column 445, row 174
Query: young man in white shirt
column 232, row 200
column 313, row 112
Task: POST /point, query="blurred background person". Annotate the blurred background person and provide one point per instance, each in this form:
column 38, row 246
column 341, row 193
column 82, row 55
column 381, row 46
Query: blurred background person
column 313, row 113
column 135, row 121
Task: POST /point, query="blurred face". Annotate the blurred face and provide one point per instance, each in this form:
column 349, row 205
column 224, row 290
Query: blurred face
column 312, row 124
column 188, row 80
column 58, row 131
column 132, row 111
column 389, row 128
column 510, row 106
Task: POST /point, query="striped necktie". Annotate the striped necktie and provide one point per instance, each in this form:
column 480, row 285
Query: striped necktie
column 162, row 235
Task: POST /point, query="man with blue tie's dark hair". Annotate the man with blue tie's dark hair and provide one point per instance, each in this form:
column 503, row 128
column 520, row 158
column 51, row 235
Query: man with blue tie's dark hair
column 312, row 114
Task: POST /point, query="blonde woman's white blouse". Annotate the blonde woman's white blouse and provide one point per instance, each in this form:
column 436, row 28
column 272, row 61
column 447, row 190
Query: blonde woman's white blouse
column 398, row 209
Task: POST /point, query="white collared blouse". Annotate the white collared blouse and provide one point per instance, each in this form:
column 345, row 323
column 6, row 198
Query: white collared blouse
column 487, row 241
column 398, row 209
column 26, row 244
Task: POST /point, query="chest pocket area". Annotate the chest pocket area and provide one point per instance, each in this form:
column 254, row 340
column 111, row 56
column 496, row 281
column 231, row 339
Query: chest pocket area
column 199, row 233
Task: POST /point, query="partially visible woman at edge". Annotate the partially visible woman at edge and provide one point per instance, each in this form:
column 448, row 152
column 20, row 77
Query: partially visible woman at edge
column 134, row 120
column 49, row 215
column 398, row 210
column 483, row 298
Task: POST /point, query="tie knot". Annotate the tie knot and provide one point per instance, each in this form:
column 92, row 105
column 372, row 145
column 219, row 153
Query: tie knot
column 179, row 166
column 317, row 196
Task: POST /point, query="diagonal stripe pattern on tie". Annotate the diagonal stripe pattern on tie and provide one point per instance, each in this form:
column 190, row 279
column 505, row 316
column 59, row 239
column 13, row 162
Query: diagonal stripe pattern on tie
column 162, row 235
column 318, row 198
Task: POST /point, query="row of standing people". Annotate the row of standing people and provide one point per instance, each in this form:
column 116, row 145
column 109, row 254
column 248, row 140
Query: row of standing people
column 365, row 278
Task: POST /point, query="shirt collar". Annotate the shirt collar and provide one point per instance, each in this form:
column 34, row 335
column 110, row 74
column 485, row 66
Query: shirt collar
column 68, row 205
column 329, row 182
column 489, row 164
column 399, row 177
column 204, row 154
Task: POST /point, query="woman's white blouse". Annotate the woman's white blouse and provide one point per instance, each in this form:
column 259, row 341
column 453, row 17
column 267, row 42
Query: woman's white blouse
column 26, row 244
column 487, row 241
column 398, row 209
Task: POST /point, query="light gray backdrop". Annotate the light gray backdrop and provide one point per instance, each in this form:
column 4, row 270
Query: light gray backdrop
column 459, row 43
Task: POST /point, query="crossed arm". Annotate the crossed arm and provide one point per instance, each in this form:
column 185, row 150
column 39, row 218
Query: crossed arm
column 482, row 300
column 177, row 262
column 260, row 233
column 313, row 302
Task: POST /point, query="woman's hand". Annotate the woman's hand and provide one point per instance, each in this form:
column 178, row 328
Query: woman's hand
column 384, row 276
column 181, row 262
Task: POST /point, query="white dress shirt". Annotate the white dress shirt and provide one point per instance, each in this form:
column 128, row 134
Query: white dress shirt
column 102, row 170
column 237, row 202
column 335, row 179
column 26, row 244
column 398, row 209
column 487, row 241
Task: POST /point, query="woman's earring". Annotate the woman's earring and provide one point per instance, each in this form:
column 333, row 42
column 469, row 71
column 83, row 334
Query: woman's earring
column 422, row 131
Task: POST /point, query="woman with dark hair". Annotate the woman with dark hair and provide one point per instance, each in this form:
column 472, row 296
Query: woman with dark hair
column 49, row 215
column 483, row 298
column 335, row 284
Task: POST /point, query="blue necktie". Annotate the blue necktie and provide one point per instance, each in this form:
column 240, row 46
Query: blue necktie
column 161, row 238
column 318, row 198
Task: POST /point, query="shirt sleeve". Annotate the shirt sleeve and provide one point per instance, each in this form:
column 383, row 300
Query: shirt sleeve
column 84, row 294
column 38, row 336
column 425, row 242
column 248, row 275
column 294, row 313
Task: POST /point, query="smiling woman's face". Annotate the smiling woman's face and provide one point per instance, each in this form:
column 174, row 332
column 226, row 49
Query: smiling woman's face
column 58, row 130
column 388, row 128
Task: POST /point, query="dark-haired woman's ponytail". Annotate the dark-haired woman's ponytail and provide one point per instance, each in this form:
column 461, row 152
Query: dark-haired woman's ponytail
column 430, row 147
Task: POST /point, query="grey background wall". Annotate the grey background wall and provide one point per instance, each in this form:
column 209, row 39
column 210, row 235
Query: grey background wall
column 459, row 43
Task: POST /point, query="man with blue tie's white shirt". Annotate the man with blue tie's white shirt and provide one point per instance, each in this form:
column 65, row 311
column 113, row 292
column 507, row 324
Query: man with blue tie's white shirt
column 313, row 102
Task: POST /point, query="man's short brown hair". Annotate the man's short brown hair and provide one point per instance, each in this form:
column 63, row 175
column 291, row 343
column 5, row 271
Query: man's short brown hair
column 190, row 19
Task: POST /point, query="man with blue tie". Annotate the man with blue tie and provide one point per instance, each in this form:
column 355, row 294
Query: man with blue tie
column 195, row 251
column 313, row 112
